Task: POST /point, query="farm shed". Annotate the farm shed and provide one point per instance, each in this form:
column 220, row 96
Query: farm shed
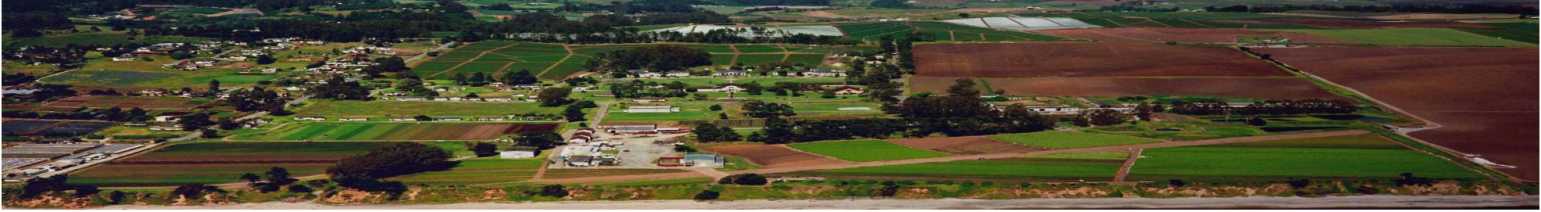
column 652, row 109
column 640, row 128
column 517, row 154
column 703, row 159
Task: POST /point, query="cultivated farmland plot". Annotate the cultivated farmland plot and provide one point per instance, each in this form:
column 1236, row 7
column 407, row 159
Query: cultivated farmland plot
column 1481, row 97
column 382, row 131
column 1360, row 156
column 219, row 162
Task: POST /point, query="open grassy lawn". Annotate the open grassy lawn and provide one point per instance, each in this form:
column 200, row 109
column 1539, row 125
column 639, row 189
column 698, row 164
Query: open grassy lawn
column 1061, row 169
column 1067, row 140
column 689, row 110
column 864, row 150
column 1413, row 37
column 336, row 108
column 1366, row 156
column 477, row 171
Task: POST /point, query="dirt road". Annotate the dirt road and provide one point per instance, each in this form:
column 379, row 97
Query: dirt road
column 968, row 157
column 1342, row 202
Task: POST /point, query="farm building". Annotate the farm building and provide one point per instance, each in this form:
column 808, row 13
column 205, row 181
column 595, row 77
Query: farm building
column 702, row 160
column 517, row 154
column 627, row 129
column 652, row 109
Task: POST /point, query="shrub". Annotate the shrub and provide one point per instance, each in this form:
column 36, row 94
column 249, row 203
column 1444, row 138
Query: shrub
column 744, row 179
column 553, row 191
column 706, row 195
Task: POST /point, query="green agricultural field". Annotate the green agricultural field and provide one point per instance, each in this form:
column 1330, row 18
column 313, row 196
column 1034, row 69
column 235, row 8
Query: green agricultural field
column 477, row 171
column 1413, row 37
column 1068, row 140
column 98, row 39
column 1518, row 31
column 1048, row 169
column 382, row 109
column 834, row 109
column 497, row 57
column 938, row 31
column 1366, row 156
column 154, row 79
column 387, row 131
column 864, row 150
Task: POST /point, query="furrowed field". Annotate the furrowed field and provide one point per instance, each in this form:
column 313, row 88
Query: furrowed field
column 1361, row 156
column 219, row 162
column 391, row 131
column 381, row 109
column 864, row 150
column 1029, row 168
column 1068, row 140
column 478, row 171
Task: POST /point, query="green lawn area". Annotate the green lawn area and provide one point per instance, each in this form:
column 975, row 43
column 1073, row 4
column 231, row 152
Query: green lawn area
column 345, row 108
column 1366, row 156
column 1413, row 37
column 689, row 110
column 864, row 150
column 1067, row 140
column 1061, row 169
column 478, row 171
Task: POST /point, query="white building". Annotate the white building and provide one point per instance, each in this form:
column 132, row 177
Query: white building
column 652, row 109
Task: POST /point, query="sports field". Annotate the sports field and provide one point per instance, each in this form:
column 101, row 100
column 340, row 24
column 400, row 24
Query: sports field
column 1067, row 140
column 864, row 150
column 1361, row 156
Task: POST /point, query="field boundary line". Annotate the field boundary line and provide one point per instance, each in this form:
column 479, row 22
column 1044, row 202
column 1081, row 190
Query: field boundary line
column 478, row 56
column 1123, row 170
column 736, row 53
column 569, row 49
column 789, row 147
column 784, row 53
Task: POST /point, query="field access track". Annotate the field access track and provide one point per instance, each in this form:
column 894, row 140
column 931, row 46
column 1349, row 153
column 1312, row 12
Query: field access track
column 1007, row 155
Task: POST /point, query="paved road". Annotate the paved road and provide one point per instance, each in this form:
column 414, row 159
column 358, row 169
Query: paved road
column 967, row 157
column 1337, row 202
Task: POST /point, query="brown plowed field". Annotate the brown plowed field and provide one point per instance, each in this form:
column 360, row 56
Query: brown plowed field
column 967, row 145
column 125, row 102
column 1486, row 98
column 1254, row 87
column 772, row 156
column 1074, row 59
column 1185, row 35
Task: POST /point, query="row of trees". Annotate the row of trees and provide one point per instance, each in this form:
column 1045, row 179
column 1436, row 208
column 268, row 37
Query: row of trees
column 1268, row 107
column 109, row 114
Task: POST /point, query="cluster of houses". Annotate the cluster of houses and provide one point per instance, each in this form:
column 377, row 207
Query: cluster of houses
column 585, row 149
column 739, row 72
